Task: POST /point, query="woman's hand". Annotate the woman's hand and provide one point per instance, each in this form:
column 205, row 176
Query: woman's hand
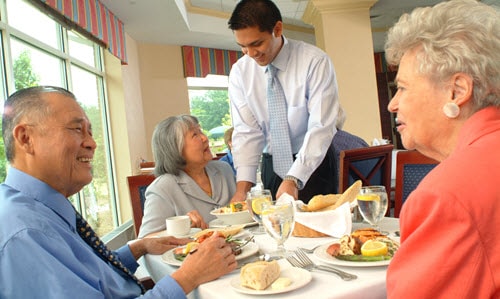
column 197, row 220
column 213, row 258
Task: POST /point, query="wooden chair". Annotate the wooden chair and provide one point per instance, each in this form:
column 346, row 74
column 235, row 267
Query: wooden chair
column 137, row 185
column 411, row 168
column 372, row 165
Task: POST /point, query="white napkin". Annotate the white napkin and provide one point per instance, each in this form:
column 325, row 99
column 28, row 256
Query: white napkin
column 335, row 223
column 380, row 141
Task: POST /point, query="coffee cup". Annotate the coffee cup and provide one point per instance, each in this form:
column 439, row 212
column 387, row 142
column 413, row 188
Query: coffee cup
column 178, row 225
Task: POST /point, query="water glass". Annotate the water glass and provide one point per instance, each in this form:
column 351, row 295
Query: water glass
column 278, row 219
column 373, row 204
column 255, row 199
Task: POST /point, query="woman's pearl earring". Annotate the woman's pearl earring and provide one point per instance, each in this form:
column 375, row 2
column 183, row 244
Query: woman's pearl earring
column 451, row 110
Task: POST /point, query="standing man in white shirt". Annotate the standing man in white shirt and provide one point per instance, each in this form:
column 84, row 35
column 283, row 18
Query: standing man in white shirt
column 307, row 77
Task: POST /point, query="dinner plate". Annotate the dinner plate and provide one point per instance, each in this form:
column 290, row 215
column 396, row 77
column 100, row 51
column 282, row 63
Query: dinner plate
column 298, row 276
column 220, row 223
column 191, row 233
column 248, row 250
column 321, row 254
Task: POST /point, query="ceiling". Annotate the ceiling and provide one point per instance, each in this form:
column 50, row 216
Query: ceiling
column 203, row 23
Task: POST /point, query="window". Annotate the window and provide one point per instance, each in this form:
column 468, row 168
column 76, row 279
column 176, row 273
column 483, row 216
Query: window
column 209, row 102
column 39, row 51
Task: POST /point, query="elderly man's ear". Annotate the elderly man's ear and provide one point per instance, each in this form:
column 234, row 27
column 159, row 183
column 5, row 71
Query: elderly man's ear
column 23, row 137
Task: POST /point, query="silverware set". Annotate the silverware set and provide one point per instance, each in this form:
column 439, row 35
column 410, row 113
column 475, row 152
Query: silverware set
column 301, row 260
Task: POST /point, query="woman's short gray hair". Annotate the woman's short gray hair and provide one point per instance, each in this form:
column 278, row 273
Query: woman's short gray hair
column 451, row 37
column 168, row 142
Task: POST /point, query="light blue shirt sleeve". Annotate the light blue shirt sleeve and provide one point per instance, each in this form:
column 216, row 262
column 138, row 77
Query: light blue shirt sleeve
column 42, row 255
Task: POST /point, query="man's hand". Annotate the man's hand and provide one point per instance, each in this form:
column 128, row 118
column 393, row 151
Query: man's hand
column 213, row 258
column 242, row 188
column 288, row 187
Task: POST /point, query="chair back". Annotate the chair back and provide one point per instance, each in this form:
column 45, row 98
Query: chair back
column 372, row 165
column 411, row 168
column 137, row 185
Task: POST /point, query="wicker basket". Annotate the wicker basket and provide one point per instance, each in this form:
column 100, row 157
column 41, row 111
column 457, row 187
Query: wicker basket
column 301, row 230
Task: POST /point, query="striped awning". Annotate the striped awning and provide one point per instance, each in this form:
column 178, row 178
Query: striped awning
column 199, row 62
column 96, row 19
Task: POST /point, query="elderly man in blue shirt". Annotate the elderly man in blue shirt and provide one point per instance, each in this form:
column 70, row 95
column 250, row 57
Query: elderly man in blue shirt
column 46, row 251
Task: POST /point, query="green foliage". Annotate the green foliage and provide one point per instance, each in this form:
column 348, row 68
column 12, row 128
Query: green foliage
column 24, row 75
column 211, row 109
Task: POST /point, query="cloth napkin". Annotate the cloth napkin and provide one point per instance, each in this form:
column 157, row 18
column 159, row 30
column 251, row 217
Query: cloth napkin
column 335, row 223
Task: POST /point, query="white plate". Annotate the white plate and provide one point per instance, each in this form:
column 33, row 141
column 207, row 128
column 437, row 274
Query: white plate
column 299, row 278
column 191, row 233
column 220, row 223
column 248, row 250
column 321, row 254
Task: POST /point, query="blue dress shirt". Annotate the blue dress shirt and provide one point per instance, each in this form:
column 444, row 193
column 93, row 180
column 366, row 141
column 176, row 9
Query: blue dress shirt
column 228, row 158
column 42, row 255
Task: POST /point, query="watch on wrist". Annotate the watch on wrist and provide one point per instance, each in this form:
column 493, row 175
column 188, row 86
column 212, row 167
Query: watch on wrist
column 293, row 179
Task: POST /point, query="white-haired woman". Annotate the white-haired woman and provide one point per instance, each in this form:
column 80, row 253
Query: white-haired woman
column 188, row 180
column 447, row 107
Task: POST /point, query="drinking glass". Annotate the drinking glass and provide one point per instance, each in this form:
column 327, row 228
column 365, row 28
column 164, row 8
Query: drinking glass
column 255, row 199
column 373, row 203
column 279, row 219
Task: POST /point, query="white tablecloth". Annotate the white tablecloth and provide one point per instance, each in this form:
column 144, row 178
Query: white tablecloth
column 370, row 282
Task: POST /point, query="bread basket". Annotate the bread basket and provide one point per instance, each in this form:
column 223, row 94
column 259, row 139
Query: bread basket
column 326, row 212
column 301, row 230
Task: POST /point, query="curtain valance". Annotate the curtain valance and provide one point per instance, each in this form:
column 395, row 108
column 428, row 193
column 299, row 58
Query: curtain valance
column 94, row 18
column 199, row 62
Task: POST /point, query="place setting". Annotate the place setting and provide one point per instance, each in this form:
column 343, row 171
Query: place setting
column 292, row 244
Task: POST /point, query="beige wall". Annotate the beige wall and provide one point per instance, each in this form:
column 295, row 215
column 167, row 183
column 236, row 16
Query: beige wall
column 164, row 88
column 343, row 30
column 137, row 140
column 148, row 89
column 154, row 88
column 117, row 113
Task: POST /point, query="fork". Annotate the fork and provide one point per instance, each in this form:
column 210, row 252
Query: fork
column 245, row 242
column 306, row 250
column 306, row 263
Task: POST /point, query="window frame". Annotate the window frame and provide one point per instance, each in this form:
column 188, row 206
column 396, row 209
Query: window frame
column 7, row 86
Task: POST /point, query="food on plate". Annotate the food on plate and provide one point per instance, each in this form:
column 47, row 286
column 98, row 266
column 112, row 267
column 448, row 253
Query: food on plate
column 364, row 245
column 226, row 231
column 281, row 283
column 234, row 207
column 259, row 275
column 374, row 248
column 180, row 253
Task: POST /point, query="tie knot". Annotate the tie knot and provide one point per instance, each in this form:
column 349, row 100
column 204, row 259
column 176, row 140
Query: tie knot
column 271, row 70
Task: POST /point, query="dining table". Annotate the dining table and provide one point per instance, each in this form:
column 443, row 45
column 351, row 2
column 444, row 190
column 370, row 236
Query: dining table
column 370, row 282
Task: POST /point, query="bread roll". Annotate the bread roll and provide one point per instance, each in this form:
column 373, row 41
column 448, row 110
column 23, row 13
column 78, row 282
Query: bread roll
column 319, row 202
column 259, row 275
